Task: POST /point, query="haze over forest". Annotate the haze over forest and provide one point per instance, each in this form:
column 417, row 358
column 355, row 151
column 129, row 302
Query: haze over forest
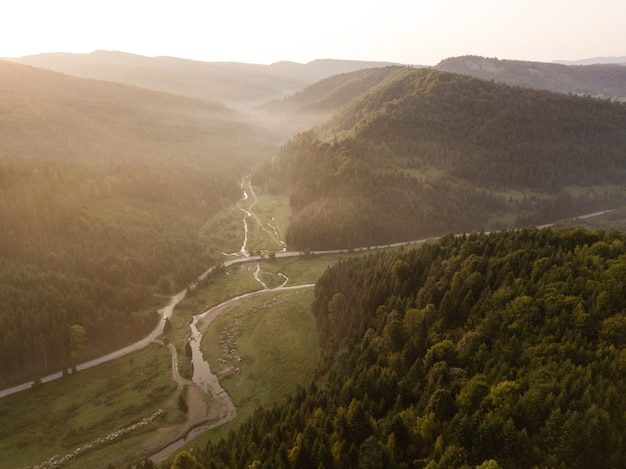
column 412, row 259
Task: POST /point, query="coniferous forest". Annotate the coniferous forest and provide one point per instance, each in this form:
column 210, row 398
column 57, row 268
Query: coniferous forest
column 501, row 350
column 90, row 246
column 103, row 191
column 421, row 152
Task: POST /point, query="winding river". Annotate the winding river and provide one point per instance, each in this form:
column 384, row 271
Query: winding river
column 203, row 377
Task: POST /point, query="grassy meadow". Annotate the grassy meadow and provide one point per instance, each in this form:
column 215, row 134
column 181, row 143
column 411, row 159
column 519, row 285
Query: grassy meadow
column 223, row 233
column 59, row 416
column 299, row 270
column 279, row 350
column 273, row 209
column 274, row 212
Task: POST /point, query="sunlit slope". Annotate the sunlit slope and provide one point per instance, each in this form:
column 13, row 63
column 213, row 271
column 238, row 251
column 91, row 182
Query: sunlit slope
column 425, row 152
column 236, row 84
column 103, row 189
column 50, row 115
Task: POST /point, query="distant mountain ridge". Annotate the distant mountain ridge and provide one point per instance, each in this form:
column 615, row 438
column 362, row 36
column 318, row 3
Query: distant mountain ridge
column 57, row 116
column 330, row 94
column 593, row 61
column 232, row 83
column 600, row 80
column 46, row 83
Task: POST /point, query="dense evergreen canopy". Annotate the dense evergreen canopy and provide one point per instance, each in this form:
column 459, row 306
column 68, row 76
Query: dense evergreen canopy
column 505, row 349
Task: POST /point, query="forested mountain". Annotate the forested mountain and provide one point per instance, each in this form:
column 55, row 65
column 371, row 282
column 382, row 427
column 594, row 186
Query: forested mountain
column 596, row 79
column 235, row 84
column 424, row 152
column 501, row 350
column 48, row 115
column 330, row 94
column 103, row 188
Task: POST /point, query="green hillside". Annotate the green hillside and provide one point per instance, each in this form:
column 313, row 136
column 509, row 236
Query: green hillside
column 424, row 152
column 501, row 350
column 103, row 190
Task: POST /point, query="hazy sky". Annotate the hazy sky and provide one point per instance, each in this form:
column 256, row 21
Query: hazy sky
column 265, row 31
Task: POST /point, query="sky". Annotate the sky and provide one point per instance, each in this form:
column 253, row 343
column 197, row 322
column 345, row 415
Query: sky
column 265, row 31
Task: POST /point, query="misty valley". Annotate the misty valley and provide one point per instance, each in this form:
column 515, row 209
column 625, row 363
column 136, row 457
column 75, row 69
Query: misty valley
column 327, row 265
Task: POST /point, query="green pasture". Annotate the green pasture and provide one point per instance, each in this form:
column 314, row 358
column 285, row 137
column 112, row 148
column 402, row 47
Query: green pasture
column 223, row 233
column 259, row 240
column 273, row 209
column 57, row 417
column 300, row 269
column 218, row 287
column 236, row 280
column 279, row 350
